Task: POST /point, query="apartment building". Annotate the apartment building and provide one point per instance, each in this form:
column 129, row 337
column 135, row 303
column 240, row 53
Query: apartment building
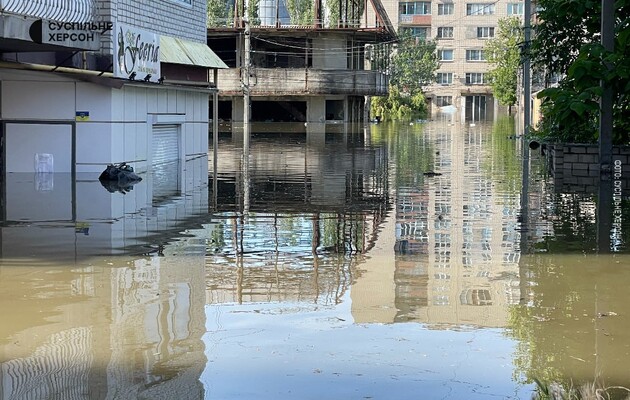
column 461, row 29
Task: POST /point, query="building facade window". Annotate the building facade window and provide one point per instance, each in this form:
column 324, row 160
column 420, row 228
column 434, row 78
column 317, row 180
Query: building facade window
column 475, row 78
column 485, row 32
column 444, row 78
column 515, row 9
column 480, row 9
column 445, row 32
column 446, row 9
column 421, row 32
column 475, row 55
column 415, row 8
column 442, row 101
column 445, row 54
column 475, row 297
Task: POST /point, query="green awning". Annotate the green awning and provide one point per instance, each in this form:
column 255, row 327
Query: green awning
column 178, row 51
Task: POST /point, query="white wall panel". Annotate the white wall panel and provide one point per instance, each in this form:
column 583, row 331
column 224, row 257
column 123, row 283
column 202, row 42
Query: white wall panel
column 141, row 102
column 171, row 97
column 30, row 197
column 118, row 104
column 93, row 143
column 24, row 140
column 117, row 143
column 130, row 130
column 95, row 99
column 38, row 100
column 181, row 102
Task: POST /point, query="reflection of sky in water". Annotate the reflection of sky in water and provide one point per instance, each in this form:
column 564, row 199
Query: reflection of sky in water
column 306, row 351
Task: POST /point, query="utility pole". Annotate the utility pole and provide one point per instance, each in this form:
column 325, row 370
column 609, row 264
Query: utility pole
column 245, row 77
column 246, row 108
column 606, row 101
column 527, row 81
column 605, row 203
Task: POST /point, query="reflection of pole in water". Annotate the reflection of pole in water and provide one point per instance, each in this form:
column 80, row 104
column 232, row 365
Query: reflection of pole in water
column 604, row 215
column 314, row 245
column 246, row 183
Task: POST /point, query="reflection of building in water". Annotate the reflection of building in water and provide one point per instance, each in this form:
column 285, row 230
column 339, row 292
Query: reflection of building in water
column 456, row 247
column 310, row 206
column 117, row 328
column 106, row 332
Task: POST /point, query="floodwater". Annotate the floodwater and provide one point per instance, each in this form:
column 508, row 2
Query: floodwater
column 394, row 261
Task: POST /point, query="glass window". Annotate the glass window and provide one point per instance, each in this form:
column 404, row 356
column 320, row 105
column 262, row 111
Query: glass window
column 421, row 32
column 475, row 78
column 445, row 32
column 415, row 8
column 475, row 297
column 445, row 54
column 442, row 101
column 480, row 9
column 485, row 32
column 475, row 55
column 515, row 9
column 444, row 78
column 446, row 9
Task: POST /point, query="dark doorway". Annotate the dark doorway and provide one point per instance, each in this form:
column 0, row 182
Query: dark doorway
column 279, row 111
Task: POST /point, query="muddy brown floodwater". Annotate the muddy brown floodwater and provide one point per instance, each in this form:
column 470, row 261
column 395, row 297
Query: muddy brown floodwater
column 393, row 261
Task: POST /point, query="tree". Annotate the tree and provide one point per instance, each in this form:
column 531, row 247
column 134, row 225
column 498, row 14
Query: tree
column 413, row 64
column 412, row 67
column 567, row 43
column 300, row 11
column 504, row 54
column 218, row 12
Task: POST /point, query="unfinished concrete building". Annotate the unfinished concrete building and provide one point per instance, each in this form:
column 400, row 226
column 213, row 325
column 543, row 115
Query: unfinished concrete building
column 304, row 68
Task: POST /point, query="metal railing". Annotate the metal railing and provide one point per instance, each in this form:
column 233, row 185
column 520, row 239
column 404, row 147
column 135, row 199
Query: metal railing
column 56, row 10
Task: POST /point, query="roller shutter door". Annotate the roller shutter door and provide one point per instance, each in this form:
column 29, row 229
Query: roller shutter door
column 165, row 164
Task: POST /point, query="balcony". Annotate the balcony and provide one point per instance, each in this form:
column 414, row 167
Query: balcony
column 54, row 10
column 296, row 82
column 416, row 19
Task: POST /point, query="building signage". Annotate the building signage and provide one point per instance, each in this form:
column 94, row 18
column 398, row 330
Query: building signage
column 79, row 35
column 136, row 53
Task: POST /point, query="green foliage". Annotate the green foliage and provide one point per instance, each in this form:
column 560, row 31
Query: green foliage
column 399, row 106
column 567, row 42
column 413, row 64
column 334, row 13
column 300, row 12
column 218, row 13
column 503, row 53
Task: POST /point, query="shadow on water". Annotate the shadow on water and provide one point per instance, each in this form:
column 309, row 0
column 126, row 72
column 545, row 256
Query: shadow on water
column 375, row 262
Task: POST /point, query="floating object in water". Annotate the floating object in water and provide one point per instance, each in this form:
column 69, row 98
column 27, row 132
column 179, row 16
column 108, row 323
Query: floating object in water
column 119, row 178
column 431, row 173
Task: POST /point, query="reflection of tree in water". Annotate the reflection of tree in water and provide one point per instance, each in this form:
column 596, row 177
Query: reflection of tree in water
column 411, row 152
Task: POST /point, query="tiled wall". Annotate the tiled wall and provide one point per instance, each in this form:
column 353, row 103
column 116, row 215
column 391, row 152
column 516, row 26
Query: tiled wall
column 575, row 167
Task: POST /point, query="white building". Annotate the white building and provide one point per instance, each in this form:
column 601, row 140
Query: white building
column 63, row 94
column 461, row 29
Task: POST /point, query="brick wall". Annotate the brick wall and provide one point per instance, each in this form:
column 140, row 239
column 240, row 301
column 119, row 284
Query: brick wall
column 184, row 19
column 575, row 167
